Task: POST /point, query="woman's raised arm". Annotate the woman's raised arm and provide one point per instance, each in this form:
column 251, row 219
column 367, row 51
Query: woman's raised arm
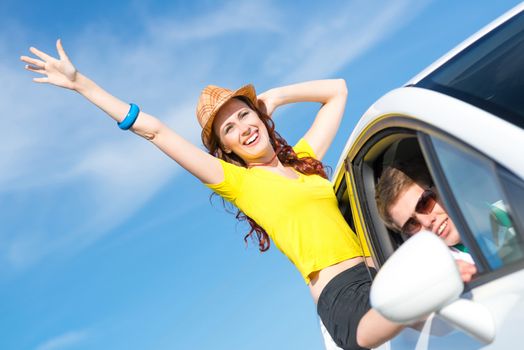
column 61, row 72
column 331, row 93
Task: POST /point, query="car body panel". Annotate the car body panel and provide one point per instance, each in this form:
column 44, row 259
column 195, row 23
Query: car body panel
column 456, row 118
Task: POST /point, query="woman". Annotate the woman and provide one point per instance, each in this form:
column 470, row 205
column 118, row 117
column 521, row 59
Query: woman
column 282, row 191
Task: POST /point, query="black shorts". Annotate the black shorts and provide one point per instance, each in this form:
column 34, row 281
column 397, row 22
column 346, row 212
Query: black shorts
column 343, row 302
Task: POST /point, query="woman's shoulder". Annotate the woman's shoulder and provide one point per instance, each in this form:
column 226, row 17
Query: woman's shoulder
column 303, row 149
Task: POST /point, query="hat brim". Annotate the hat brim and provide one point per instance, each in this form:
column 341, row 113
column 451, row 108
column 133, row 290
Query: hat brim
column 247, row 91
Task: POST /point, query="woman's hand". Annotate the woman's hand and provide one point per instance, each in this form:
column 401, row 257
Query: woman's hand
column 267, row 102
column 330, row 93
column 59, row 72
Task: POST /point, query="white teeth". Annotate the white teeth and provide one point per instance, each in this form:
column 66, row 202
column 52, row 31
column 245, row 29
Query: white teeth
column 442, row 227
column 251, row 139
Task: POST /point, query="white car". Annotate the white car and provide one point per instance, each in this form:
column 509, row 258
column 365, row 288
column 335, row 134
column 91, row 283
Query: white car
column 463, row 116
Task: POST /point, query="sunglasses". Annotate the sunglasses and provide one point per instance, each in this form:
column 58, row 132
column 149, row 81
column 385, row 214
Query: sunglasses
column 425, row 205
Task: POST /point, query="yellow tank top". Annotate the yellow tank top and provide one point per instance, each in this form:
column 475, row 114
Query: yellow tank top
column 300, row 215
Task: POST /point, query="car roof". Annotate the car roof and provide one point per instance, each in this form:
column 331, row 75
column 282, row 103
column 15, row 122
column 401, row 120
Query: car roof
column 460, row 47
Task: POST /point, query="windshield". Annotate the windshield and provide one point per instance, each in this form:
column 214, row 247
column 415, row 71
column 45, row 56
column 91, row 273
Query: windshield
column 488, row 74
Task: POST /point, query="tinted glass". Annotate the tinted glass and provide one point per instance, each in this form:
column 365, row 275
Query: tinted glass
column 483, row 204
column 489, row 74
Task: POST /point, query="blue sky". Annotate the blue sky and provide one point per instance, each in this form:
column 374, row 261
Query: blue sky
column 105, row 243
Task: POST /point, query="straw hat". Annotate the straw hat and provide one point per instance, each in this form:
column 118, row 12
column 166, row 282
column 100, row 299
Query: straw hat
column 212, row 99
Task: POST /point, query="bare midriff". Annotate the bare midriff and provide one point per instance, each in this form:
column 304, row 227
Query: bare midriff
column 319, row 279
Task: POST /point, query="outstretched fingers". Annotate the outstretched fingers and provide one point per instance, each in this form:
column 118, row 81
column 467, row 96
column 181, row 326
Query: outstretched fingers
column 59, row 72
column 61, row 51
column 41, row 80
column 35, row 69
column 34, row 63
column 42, row 55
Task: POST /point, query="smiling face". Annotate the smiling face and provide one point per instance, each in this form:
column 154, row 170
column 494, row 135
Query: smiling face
column 436, row 220
column 241, row 132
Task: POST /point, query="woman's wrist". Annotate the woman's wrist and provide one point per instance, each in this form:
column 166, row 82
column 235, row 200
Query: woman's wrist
column 81, row 83
column 275, row 97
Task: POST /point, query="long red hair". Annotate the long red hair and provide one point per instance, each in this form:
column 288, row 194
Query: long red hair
column 286, row 155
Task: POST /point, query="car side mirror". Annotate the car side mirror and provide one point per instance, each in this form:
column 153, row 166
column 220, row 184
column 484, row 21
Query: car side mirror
column 419, row 278
column 422, row 277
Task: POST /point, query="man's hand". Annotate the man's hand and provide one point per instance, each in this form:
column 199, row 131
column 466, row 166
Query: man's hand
column 466, row 270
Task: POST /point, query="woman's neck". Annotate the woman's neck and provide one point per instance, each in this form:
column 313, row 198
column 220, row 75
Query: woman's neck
column 272, row 162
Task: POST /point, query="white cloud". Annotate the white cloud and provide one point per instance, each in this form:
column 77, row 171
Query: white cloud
column 64, row 341
column 321, row 48
column 232, row 17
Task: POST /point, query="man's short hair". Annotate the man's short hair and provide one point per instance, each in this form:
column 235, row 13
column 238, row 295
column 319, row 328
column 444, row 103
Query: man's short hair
column 394, row 180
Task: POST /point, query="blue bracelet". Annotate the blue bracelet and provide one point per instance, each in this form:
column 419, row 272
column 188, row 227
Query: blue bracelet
column 130, row 118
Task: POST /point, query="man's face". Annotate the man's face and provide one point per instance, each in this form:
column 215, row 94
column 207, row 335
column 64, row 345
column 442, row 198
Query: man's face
column 416, row 209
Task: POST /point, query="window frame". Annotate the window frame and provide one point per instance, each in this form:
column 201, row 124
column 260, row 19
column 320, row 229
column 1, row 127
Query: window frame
column 450, row 202
column 486, row 273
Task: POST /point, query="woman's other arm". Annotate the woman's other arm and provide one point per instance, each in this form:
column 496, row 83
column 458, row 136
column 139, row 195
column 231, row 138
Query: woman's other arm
column 61, row 72
column 331, row 93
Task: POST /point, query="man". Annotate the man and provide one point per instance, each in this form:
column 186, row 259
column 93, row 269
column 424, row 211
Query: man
column 408, row 203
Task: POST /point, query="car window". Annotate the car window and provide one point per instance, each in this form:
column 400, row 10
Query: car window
column 477, row 190
column 489, row 74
